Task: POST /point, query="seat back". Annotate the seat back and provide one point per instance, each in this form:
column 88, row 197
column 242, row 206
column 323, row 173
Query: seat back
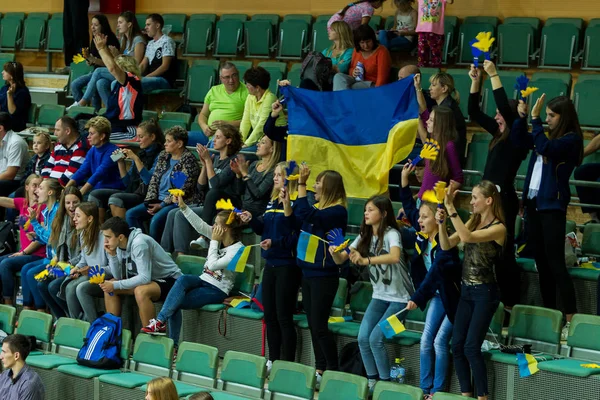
column 54, row 37
column 277, row 71
column 375, row 22
column 34, row 30
column 302, row 17
column 259, row 38
column 242, row 67
column 591, row 49
column 575, row 22
column 493, row 21
column 323, row 18
column 293, row 74
column 516, row 44
column 550, row 86
column 272, row 18
column 175, row 21
column 152, row 353
column 293, row 38
column 559, row 43
column 75, row 111
column 241, row 372
column 125, row 344
column 228, row 37
column 48, row 114
column 320, row 39
column 477, row 153
column 210, row 17
column 340, row 385
column 11, row 27
column 198, row 35
column 190, row 265
column 200, row 79
column 396, row 391
column 33, row 323
column 69, row 335
column 149, row 114
column 585, row 100
column 179, row 118
column 235, row 17
column 244, row 281
column 292, row 379
column 591, row 240
column 197, row 363
column 7, row 318
column 537, row 325
column 584, row 332
column 356, row 212
column 497, row 321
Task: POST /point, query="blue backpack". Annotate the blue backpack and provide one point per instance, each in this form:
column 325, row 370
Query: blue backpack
column 102, row 344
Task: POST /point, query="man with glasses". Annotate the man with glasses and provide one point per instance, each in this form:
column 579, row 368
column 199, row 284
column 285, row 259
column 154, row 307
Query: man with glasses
column 223, row 103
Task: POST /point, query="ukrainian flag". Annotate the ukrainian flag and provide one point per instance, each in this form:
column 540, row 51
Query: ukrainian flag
column 528, row 365
column 359, row 133
column 307, row 247
column 238, row 263
column 392, row 326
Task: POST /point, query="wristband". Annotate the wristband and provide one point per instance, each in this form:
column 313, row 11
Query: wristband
column 453, row 215
column 493, row 76
column 369, row 258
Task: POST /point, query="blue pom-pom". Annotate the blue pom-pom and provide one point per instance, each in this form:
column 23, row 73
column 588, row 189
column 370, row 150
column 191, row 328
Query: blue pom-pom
column 178, row 179
column 522, row 82
column 289, row 170
column 336, row 237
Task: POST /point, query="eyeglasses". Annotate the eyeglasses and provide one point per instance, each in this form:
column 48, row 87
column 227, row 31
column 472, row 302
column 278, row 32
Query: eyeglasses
column 230, row 77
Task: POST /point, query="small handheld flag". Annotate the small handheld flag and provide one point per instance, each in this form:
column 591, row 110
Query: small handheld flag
column 392, row 325
column 97, row 275
column 307, row 246
column 335, row 320
column 177, row 181
column 430, row 151
column 289, row 172
column 238, row 262
column 228, row 206
column 336, row 238
column 527, row 364
column 78, row 58
column 240, row 303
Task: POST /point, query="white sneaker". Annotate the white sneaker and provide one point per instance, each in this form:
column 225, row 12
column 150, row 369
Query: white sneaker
column 76, row 104
column 319, row 378
column 371, row 384
column 564, row 335
column 200, row 243
column 269, row 366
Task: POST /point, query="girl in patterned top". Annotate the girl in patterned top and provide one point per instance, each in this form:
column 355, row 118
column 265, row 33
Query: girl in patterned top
column 357, row 13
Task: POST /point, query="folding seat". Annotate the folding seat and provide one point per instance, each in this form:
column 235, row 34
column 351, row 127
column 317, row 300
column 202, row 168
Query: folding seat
column 199, row 81
column 320, row 39
column 290, row 380
column 450, row 35
column 75, row 111
column 553, row 84
column 34, row 31
column 242, row 67
column 176, row 22
column 396, row 391
column 258, row 35
column 585, row 98
column 446, row 396
column 190, row 264
column 211, row 17
column 559, row 43
column 48, row 114
column 323, row 18
column 293, row 74
column 277, row 71
column 590, row 245
column 302, row 17
column 7, row 318
column 198, row 37
column 462, row 83
column 77, row 70
column 171, row 119
column 591, row 48
column 341, row 385
column 516, row 45
column 148, row 115
column 243, row 373
column 481, row 20
column 228, row 37
column 375, row 22
column 11, row 29
column 477, row 153
column 237, row 17
column 54, row 38
column 293, row 40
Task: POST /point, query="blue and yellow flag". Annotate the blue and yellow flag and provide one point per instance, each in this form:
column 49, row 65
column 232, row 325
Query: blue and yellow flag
column 359, row 133
column 337, row 320
column 527, row 364
column 307, row 247
column 392, row 326
column 238, row 262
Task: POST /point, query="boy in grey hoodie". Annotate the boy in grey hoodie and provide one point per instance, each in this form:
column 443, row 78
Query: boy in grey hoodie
column 140, row 267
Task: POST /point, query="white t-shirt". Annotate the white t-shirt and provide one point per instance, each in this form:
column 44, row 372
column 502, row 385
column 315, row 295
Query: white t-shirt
column 14, row 153
column 157, row 49
column 391, row 282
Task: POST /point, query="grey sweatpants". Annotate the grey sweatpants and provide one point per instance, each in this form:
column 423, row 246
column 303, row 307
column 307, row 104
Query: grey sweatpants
column 178, row 232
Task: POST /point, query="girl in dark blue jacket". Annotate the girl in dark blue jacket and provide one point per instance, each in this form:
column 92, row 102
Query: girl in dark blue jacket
column 281, row 276
column 320, row 279
column 546, row 193
column 436, row 276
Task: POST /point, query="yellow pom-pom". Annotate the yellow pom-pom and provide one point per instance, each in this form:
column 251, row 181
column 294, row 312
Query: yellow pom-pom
column 97, row 279
column 429, row 196
column 177, row 192
column 440, row 191
column 528, row 91
column 484, row 41
column 230, row 219
column 595, row 366
column 224, row 205
column 342, row 246
column 78, row 58
column 430, row 150
column 42, row 275
column 293, row 177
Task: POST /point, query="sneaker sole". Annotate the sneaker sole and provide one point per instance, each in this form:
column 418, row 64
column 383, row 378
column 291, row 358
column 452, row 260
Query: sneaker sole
column 155, row 333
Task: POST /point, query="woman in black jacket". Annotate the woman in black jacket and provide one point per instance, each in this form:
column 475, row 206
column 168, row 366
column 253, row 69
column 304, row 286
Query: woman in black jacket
column 503, row 162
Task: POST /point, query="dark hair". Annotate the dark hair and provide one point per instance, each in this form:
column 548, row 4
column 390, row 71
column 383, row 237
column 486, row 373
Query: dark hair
column 236, row 226
column 568, row 122
column 18, row 344
column 117, row 225
column 444, row 131
column 178, row 133
column 151, row 127
column 388, row 220
column 157, row 18
column 343, row 12
column 363, row 33
column 59, row 218
column 135, row 28
column 105, row 29
column 6, row 121
column 68, row 122
column 502, row 136
column 258, row 76
column 233, row 133
column 15, row 69
column 201, row 396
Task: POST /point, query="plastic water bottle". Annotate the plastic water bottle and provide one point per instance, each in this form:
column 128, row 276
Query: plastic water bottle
column 20, row 296
column 361, row 71
column 398, row 372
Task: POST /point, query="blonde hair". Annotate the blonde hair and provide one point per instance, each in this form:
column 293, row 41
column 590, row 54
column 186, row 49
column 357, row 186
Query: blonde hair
column 332, row 189
column 27, row 182
column 101, row 125
column 344, row 33
column 292, row 185
column 128, row 64
column 488, row 189
column 445, row 79
column 162, row 388
column 271, row 163
column 44, row 135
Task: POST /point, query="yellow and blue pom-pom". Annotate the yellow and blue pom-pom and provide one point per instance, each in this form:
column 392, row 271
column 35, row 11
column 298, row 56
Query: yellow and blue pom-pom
column 78, row 58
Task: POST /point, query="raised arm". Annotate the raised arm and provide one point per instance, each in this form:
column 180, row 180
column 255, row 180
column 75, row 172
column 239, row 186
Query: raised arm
column 108, row 59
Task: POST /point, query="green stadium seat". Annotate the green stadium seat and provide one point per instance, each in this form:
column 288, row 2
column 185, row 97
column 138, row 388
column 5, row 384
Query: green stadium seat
column 190, row 265
column 54, row 37
column 32, row 115
column 375, row 22
column 75, row 111
column 33, row 323
column 553, row 84
column 462, row 83
column 323, row 18
column 359, row 301
column 291, row 379
column 242, row 67
column 198, row 37
column 39, row 15
column 341, row 385
column 582, row 345
column 576, row 22
column 591, row 49
column 532, row 21
column 68, row 339
column 147, row 115
column 497, row 322
column 171, row 119
column 293, row 74
column 176, row 21
column 584, row 98
column 200, row 79
column 258, row 38
column 80, row 371
column 516, row 45
column 302, row 17
column 481, row 20
column 277, row 71
column 141, row 19
column 211, row 17
column 390, row 22
column 7, row 318
column 509, row 78
column 272, row 18
column 48, row 114
column 34, row 32
column 77, row 70
column 570, row 226
column 450, row 41
column 467, row 32
column 243, row 373
column 293, row 39
column 356, row 211
column 244, row 281
column 446, row 396
column 11, row 29
column 152, row 356
column 320, row 38
column 339, row 302
column 197, row 364
column 236, row 17
column 214, row 64
column 559, row 45
column 396, row 391
column 228, row 37
column 590, row 245
column 477, row 153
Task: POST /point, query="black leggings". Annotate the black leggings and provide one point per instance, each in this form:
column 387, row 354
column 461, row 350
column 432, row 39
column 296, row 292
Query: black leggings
column 508, row 273
column 280, row 293
column 318, row 294
column 547, row 234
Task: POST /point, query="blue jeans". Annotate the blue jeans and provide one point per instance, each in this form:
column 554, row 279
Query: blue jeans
column 435, row 348
column 188, row 292
column 99, row 84
column 138, row 214
column 154, row 83
column 197, row 137
column 77, row 90
column 392, row 41
column 475, row 311
column 9, row 266
column 48, row 290
column 370, row 338
column 31, row 295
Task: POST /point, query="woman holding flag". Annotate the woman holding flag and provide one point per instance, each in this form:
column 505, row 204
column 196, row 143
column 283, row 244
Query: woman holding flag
column 281, row 275
column 379, row 248
column 320, row 272
column 483, row 236
column 215, row 283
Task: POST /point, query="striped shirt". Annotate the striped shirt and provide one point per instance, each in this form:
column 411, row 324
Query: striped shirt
column 64, row 162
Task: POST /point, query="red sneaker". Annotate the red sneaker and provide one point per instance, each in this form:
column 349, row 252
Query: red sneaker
column 155, row 327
